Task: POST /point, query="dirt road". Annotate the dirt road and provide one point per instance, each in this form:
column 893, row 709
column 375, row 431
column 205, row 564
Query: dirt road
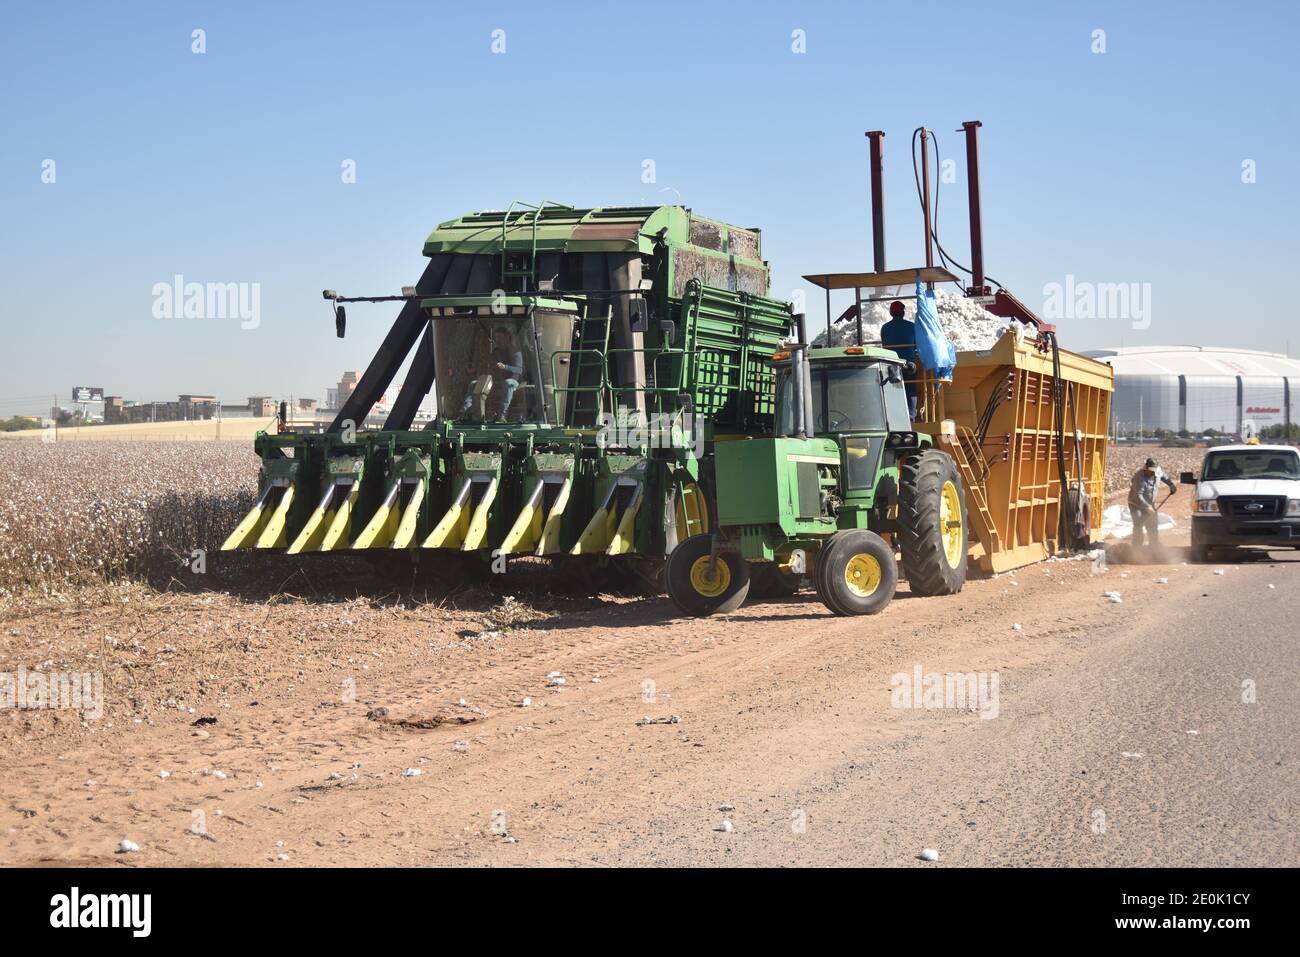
column 1158, row 730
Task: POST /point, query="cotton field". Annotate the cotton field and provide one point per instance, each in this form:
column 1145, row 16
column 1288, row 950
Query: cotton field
column 73, row 512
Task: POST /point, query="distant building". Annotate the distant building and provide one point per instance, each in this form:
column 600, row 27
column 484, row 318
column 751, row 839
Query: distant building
column 307, row 405
column 1200, row 388
column 345, row 388
column 260, row 406
column 198, row 407
column 114, row 411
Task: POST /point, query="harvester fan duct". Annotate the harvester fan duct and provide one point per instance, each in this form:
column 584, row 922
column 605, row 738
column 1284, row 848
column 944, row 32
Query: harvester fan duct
column 932, row 523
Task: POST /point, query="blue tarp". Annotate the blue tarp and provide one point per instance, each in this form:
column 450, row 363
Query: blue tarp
column 933, row 348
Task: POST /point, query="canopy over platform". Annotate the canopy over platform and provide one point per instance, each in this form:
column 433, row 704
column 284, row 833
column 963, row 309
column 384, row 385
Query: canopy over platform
column 873, row 280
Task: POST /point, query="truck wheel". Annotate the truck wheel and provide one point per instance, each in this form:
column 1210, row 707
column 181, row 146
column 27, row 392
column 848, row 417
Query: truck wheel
column 932, row 523
column 699, row 590
column 856, row 573
column 1200, row 554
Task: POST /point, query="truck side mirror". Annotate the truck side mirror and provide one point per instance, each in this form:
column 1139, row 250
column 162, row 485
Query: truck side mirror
column 340, row 321
column 668, row 331
column 1187, row 478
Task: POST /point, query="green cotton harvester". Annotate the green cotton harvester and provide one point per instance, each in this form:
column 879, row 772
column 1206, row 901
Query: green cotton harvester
column 584, row 364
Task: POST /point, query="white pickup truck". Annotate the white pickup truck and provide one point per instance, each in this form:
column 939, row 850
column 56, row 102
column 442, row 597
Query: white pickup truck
column 1246, row 495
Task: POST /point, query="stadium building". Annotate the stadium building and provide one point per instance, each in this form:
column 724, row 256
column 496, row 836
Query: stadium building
column 1200, row 388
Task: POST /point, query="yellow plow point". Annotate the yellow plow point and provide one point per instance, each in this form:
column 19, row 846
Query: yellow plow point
column 596, row 536
column 550, row 537
column 527, row 529
column 272, row 535
column 410, row 515
column 622, row 541
column 338, row 524
column 379, row 530
column 245, row 532
column 309, row 538
column 476, row 536
column 451, row 528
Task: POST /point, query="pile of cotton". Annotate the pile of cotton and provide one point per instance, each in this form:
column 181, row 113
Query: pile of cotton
column 968, row 324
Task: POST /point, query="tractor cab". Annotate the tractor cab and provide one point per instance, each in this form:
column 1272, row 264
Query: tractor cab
column 854, row 389
column 856, row 396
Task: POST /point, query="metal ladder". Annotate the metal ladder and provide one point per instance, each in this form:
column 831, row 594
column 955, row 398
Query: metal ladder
column 529, row 272
column 968, row 455
column 588, row 374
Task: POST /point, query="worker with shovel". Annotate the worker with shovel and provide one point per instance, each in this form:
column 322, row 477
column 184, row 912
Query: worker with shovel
column 1142, row 503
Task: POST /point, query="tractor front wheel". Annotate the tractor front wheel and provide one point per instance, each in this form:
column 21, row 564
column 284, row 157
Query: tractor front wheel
column 702, row 584
column 856, row 573
column 932, row 524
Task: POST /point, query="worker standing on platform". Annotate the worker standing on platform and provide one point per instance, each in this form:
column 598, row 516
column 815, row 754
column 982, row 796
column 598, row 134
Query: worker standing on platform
column 899, row 335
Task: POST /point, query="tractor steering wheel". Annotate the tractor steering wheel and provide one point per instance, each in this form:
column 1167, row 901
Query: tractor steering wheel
column 834, row 421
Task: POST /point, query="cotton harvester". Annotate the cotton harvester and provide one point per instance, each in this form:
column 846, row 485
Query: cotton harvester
column 1002, row 461
column 585, row 363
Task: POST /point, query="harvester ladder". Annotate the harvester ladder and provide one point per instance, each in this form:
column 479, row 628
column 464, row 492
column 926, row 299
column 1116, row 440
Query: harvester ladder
column 970, row 460
column 589, row 367
column 529, row 271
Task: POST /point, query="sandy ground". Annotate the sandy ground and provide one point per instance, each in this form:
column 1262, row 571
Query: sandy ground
column 779, row 719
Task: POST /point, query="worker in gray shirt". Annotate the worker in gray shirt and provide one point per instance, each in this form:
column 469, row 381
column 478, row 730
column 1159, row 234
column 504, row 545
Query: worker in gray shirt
column 1142, row 502
column 507, row 367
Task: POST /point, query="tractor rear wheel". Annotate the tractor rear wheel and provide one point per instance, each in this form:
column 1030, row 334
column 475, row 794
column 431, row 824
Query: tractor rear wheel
column 856, row 573
column 700, row 584
column 932, row 523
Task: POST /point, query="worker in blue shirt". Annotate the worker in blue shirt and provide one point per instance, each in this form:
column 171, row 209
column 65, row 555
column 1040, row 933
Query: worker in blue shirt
column 899, row 335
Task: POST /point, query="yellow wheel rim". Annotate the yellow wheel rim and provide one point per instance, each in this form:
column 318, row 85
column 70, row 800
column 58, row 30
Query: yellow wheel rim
column 710, row 585
column 950, row 523
column 862, row 575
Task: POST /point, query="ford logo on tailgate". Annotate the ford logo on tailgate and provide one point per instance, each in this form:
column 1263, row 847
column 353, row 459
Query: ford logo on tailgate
column 1254, row 506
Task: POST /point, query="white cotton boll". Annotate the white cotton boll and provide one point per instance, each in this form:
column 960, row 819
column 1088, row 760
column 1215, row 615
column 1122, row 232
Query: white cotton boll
column 929, row 854
column 128, row 847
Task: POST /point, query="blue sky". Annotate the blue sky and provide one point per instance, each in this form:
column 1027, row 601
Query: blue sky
column 1124, row 166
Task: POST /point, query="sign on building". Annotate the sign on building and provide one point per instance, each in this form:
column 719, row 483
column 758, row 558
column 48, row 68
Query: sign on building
column 87, row 393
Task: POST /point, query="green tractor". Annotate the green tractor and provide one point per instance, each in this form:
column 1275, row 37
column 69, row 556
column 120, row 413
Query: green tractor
column 844, row 483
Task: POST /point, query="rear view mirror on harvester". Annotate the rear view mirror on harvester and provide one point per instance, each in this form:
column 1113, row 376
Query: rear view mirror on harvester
column 340, row 321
